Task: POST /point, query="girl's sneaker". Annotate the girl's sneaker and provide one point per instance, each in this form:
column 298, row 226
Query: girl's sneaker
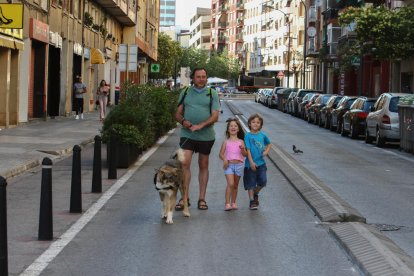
column 234, row 206
column 227, row 207
column 253, row 205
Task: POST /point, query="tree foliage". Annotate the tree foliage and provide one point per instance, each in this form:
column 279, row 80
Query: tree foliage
column 382, row 33
column 217, row 64
column 169, row 53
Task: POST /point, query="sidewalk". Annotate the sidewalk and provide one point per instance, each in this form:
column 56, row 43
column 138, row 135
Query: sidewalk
column 24, row 147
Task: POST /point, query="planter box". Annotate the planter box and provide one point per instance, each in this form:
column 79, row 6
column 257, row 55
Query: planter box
column 127, row 154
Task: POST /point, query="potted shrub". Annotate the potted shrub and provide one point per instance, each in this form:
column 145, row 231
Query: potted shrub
column 143, row 115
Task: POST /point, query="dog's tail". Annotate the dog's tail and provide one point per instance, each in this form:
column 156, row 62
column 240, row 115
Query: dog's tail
column 179, row 155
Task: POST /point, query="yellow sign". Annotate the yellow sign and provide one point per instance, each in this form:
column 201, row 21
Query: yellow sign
column 11, row 16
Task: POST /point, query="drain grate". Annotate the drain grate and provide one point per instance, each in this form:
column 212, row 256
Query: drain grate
column 386, row 227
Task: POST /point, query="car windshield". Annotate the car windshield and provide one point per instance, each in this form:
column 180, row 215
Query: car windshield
column 367, row 105
column 393, row 104
column 349, row 102
column 325, row 99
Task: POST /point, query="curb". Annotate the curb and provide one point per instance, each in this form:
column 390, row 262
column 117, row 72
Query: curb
column 372, row 251
column 37, row 162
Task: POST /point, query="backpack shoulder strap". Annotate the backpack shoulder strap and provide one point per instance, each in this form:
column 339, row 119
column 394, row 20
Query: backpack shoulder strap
column 183, row 98
column 211, row 98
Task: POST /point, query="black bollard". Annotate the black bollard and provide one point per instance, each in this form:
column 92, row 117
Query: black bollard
column 112, row 157
column 76, row 187
column 97, row 166
column 45, row 217
column 4, row 267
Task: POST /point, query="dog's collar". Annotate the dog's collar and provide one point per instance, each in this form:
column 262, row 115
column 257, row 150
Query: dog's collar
column 168, row 188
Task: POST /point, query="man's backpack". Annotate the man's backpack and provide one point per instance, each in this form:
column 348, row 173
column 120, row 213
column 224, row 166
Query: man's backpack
column 210, row 92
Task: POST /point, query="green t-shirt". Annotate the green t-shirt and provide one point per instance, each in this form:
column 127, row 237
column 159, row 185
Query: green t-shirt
column 197, row 110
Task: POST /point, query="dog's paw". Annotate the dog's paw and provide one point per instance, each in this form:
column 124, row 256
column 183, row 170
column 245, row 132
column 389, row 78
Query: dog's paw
column 186, row 213
column 169, row 221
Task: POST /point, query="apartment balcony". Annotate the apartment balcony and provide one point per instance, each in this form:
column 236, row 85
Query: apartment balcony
column 222, row 25
column 223, row 9
column 239, row 37
column 330, row 14
column 312, row 51
column 222, row 39
column 332, row 50
column 240, row 22
column 240, row 5
column 123, row 11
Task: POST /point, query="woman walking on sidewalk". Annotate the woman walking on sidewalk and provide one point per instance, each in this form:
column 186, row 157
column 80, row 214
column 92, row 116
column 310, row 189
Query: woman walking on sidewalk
column 102, row 94
column 232, row 153
column 78, row 90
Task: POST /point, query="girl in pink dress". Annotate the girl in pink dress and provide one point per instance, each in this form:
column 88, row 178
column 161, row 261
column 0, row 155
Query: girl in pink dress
column 102, row 93
column 232, row 153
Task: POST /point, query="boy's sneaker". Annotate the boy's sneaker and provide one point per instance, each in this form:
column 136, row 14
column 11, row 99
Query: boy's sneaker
column 81, row 116
column 253, row 205
column 256, row 198
column 77, row 117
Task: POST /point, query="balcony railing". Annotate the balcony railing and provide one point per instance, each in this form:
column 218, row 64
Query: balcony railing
column 124, row 12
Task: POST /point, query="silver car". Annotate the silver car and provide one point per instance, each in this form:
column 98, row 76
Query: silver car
column 383, row 121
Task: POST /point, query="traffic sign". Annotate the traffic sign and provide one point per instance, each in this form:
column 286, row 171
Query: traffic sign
column 355, row 61
column 155, row 68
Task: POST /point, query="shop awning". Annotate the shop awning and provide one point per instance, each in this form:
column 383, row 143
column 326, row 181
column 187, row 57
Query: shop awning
column 97, row 57
column 11, row 43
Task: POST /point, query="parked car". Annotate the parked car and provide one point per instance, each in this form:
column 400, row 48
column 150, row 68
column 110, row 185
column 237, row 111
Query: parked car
column 299, row 97
column 257, row 95
column 309, row 105
column 337, row 114
column 282, row 96
column 315, row 109
column 353, row 121
column 301, row 106
column 264, row 95
column 383, row 121
column 290, row 103
column 272, row 100
column 325, row 116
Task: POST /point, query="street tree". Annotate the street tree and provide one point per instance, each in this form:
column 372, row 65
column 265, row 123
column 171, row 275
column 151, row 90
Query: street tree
column 169, row 54
column 382, row 33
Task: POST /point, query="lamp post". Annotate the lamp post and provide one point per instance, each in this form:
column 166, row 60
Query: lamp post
column 288, row 22
column 304, row 42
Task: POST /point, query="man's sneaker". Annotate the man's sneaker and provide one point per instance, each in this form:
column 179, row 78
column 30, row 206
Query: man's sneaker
column 81, row 116
column 77, row 117
column 256, row 198
column 253, row 205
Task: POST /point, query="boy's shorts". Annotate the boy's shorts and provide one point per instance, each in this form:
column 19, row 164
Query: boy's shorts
column 253, row 179
column 235, row 168
column 203, row 147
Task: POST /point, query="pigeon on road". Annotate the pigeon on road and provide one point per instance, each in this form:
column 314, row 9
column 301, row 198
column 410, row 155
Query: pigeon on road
column 296, row 150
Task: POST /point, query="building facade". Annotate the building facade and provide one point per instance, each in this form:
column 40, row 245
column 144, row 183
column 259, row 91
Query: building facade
column 200, row 29
column 64, row 39
column 167, row 13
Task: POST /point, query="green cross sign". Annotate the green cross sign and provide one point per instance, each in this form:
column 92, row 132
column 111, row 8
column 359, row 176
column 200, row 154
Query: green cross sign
column 155, row 68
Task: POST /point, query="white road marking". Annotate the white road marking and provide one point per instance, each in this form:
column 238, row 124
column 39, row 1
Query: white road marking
column 57, row 246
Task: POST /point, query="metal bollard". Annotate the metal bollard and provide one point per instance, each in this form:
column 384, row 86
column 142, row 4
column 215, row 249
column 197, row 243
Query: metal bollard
column 76, row 185
column 45, row 217
column 112, row 157
column 4, row 265
column 97, row 166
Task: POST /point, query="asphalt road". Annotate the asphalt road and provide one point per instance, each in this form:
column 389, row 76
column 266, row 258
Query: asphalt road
column 127, row 236
column 377, row 182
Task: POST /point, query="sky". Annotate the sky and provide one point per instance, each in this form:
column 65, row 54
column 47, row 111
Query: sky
column 185, row 9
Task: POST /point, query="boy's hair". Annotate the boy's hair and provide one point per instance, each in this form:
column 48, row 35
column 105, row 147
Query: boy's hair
column 254, row 116
column 240, row 133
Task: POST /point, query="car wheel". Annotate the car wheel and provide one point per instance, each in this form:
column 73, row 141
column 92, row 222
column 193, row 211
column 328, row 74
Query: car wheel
column 368, row 139
column 338, row 126
column 327, row 122
column 353, row 131
column 379, row 141
column 309, row 119
column 343, row 131
column 331, row 126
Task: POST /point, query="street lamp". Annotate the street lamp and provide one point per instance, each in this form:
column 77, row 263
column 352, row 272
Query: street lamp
column 288, row 22
column 304, row 42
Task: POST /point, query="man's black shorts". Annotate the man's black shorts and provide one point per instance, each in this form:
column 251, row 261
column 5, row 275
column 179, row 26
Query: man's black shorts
column 203, row 147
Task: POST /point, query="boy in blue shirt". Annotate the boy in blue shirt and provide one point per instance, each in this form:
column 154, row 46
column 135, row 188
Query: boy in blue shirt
column 258, row 146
